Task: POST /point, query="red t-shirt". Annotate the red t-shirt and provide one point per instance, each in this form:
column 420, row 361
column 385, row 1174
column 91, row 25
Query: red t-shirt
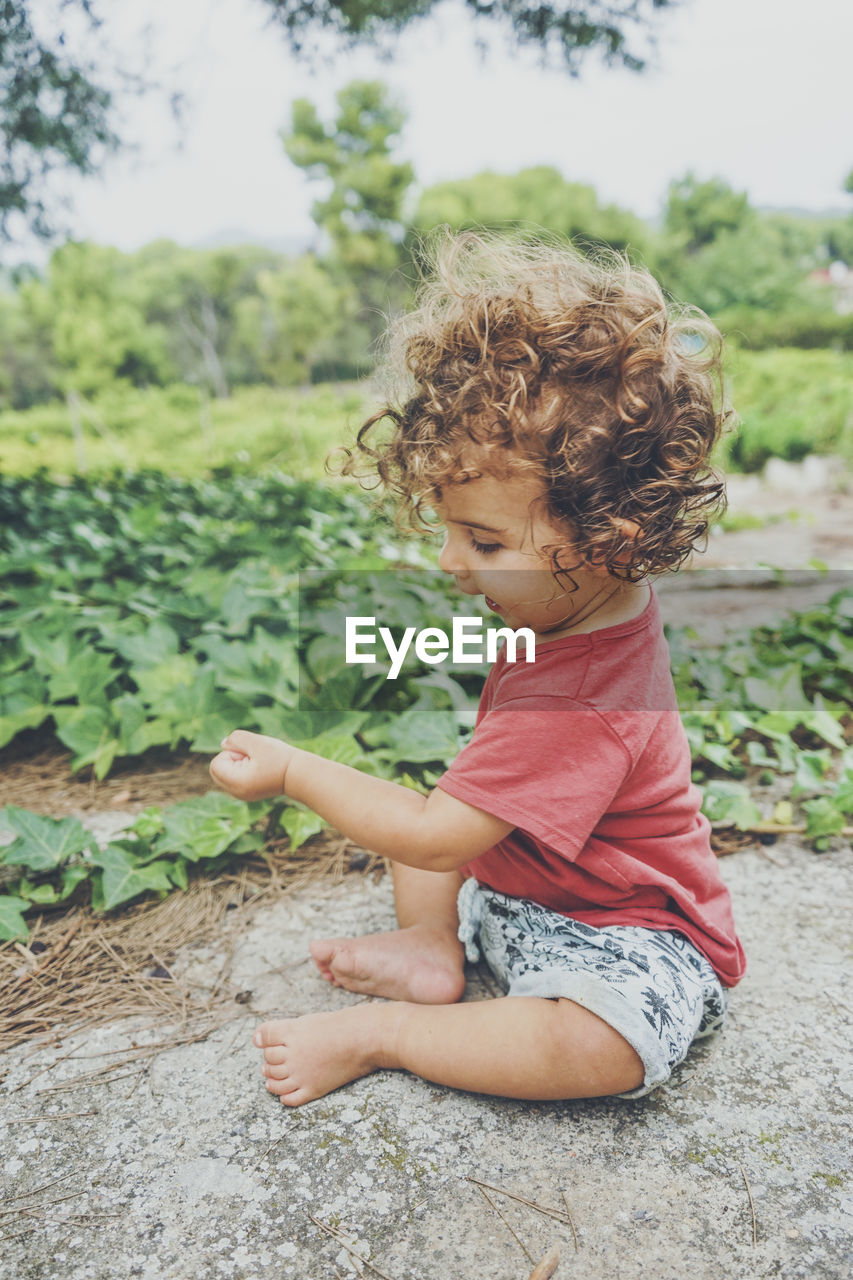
column 584, row 752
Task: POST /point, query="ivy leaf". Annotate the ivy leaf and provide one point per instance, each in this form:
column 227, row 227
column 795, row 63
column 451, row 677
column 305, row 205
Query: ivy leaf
column 148, row 824
column 441, row 685
column 721, row 755
column 781, row 691
column 153, row 733
column 147, row 648
column 38, row 893
column 12, row 923
column 41, row 843
column 85, row 678
column 130, row 714
column 157, row 684
column 178, row 874
column 13, row 722
column 730, row 804
column 418, row 737
column 125, row 878
column 72, row 876
column 239, row 605
column 249, row 843
column 332, row 745
column 51, row 653
column 204, row 826
column 812, row 768
column 843, row 798
column 88, row 732
column 300, row 825
column 822, row 722
column 823, row 818
column 756, row 754
column 777, row 725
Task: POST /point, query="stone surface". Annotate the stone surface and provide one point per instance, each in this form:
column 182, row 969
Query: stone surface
column 191, row 1169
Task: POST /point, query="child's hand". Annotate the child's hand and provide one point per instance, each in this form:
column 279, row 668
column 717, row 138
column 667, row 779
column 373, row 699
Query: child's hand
column 252, row 766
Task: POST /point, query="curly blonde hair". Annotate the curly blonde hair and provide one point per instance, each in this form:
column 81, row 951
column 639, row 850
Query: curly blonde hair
column 569, row 367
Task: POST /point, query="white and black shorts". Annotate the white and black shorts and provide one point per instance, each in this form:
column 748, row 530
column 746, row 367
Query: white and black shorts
column 650, row 985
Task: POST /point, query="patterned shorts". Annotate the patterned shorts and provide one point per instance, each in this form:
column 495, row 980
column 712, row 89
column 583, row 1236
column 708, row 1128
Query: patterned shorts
column 650, row 985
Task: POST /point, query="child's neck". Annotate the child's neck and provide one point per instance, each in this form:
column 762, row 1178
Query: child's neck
column 624, row 604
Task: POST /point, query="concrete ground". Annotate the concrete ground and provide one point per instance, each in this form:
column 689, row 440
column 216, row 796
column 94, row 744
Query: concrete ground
column 737, row 1169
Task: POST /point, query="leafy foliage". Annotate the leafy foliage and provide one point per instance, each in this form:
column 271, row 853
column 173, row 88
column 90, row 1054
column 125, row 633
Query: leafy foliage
column 218, row 319
column 360, row 214
column 790, row 404
column 145, row 612
column 536, row 197
column 55, row 115
column 60, row 104
column 698, row 212
column 776, row 704
column 618, row 32
column 150, row 857
column 139, row 611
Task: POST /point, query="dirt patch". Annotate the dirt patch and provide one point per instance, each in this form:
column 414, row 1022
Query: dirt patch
column 802, row 514
column 43, row 782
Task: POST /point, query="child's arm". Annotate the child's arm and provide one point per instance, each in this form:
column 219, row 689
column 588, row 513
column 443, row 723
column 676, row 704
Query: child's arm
column 435, row 832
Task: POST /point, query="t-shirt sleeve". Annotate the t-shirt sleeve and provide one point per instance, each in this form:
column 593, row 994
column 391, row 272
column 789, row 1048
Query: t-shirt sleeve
column 550, row 766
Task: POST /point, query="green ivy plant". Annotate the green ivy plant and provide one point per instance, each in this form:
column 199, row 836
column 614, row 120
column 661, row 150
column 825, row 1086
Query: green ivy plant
column 143, row 611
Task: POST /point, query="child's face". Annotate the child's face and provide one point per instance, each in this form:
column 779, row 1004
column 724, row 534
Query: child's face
column 496, row 532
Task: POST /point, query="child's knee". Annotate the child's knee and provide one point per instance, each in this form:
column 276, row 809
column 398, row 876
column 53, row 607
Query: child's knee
column 593, row 1054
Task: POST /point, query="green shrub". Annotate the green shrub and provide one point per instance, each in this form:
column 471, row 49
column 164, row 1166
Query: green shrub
column 806, row 327
column 790, row 403
column 174, row 428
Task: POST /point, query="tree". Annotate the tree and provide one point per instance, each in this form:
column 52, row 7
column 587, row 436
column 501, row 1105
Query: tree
column 534, row 197
column 361, row 215
column 95, row 319
column 195, row 296
column 620, row 31
column 26, row 376
column 286, row 328
column 697, row 212
column 59, row 99
column 55, row 113
column 752, row 266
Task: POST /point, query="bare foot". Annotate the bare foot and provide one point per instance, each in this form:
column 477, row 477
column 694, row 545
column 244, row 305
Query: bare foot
column 305, row 1058
column 424, row 964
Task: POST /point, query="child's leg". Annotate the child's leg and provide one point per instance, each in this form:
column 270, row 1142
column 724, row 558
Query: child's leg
column 513, row 1047
column 422, row 961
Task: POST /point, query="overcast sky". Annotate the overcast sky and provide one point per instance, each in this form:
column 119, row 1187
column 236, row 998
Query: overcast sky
column 757, row 91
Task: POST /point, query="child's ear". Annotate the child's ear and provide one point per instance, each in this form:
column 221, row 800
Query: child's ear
column 629, row 529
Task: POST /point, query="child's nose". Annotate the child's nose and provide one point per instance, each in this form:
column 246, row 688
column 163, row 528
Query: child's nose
column 450, row 559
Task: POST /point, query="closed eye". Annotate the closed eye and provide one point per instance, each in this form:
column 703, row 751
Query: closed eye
column 484, row 548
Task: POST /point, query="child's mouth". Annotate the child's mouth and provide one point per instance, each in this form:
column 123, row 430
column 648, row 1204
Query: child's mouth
column 493, row 605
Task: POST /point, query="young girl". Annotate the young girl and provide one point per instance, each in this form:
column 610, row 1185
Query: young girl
column 559, row 424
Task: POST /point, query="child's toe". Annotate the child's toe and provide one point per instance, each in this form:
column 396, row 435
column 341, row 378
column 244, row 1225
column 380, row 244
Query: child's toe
column 281, row 1087
column 296, row 1098
column 276, row 1073
column 271, row 1033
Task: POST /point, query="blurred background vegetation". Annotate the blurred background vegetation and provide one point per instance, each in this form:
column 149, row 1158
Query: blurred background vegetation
column 191, row 359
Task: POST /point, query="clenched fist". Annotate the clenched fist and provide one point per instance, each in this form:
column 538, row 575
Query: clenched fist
column 252, row 766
